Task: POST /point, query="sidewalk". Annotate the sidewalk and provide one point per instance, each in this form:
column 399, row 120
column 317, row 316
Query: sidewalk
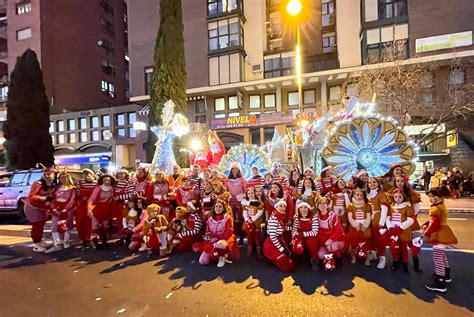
column 462, row 205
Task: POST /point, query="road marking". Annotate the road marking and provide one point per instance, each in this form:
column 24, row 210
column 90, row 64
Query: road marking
column 457, row 219
column 169, row 295
column 451, row 250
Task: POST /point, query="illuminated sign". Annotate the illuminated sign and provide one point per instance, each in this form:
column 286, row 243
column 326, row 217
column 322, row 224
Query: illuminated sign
column 81, row 159
column 270, row 118
column 452, row 138
column 424, row 129
column 442, row 42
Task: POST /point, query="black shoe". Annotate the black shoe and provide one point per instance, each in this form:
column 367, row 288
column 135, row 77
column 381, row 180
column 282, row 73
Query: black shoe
column 395, row 265
column 437, row 285
column 95, row 243
column 405, row 268
column 447, row 275
column 416, row 264
column 338, row 262
column 315, row 265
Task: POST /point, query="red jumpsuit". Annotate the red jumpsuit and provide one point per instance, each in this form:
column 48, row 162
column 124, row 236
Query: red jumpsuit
column 100, row 203
column 83, row 222
column 275, row 247
column 157, row 193
column 62, row 209
column 184, row 195
column 36, row 208
column 305, row 231
column 331, row 237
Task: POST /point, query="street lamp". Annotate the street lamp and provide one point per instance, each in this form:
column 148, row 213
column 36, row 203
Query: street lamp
column 293, row 8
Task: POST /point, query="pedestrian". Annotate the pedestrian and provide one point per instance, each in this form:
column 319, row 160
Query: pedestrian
column 304, row 232
column 399, row 221
column 253, row 214
column 276, row 246
column 99, row 209
column 438, row 233
column 359, row 216
column 426, row 178
column 62, row 211
column 84, row 190
column 37, row 206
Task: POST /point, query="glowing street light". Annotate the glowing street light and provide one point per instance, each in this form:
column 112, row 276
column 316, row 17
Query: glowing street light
column 195, row 145
column 294, row 7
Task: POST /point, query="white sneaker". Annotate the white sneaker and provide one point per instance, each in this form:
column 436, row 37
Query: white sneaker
column 54, row 248
column 221, row 262
column 39, row 247
column 142, row 248
column 67, row 244
column 381, row 264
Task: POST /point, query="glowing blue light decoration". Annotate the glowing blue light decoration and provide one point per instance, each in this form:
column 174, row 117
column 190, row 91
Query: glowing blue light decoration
column 247, row 156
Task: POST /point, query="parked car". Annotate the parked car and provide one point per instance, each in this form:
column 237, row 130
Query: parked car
column 16, row 189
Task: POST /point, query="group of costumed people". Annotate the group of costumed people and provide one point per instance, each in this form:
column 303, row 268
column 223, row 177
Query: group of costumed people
column 282, row 215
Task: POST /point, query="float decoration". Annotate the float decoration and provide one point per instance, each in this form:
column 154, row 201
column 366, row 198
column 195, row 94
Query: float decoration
column 372, row 143
column 247, row 156
column 211, row 155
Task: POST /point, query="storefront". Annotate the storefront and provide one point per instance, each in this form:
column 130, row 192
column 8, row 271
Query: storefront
column 94, row 161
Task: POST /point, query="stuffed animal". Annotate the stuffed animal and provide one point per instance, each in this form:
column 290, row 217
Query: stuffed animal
column 329, row 263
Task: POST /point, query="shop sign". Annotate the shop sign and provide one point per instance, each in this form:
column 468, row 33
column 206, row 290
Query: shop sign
column 423, row 129
column 452, row 138
column 81, row 159
column 254, row 120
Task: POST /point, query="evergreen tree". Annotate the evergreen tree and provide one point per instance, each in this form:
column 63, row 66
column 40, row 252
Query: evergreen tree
column 169, row 68
column 27, row 127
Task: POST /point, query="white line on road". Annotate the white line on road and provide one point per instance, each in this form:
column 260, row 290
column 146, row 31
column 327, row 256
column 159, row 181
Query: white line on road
column 451, row 250
column 457, row 219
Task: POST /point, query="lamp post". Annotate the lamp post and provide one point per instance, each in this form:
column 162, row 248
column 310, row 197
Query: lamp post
column 294, row 8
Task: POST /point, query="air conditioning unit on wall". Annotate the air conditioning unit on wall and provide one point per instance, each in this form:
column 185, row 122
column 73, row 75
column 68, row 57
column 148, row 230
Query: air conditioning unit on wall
column 257, row 68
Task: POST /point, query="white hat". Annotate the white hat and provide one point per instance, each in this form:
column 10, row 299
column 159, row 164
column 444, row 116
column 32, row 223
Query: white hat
column 301, row 203
column 326, row 168
column 361, row 172
column 235, row 165
column 191, row 205
column 280, row 202
column 308, row 169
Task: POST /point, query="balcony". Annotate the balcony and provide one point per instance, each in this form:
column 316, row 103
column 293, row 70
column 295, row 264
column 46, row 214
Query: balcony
column 220, row 8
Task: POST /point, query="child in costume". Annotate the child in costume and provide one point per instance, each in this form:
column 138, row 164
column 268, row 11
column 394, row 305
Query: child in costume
column 438, row 233
column 359, row 216
column 253, row 213
column 130, row 218
column 309, row 193
column 276, row 247
column 331, row 238
column 219, row 241
column 154, row 230
column 399, row 221
column 236, row 185
column 379, row 202
column 184, row 230
column 62, row 210
column 305, row 230
column 340, row 201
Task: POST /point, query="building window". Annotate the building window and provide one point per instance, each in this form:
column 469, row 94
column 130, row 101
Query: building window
column 121, row 119
column 60, row 126
column 225, row 34
column 94, row 135
column 132, row 117
column 107, row 46
column 94, row 122
column 219, row 116
column 233, row 103
column 108, row 88
column 121, row 133
column 268, row 134
column 107, row 6
column 51, row 127
column 82, row 123
column 327, row 10
column 132, row 133
column 219, row 104
column 71, row 124
column 215, row 7
column 107, row 27
column 380, row 39
column 456, row 76
column 71, row 138
column 60, row 139
column 309, row 97
column 106, row 135
column 148, row 79
column 83, row 137
column 255, row 134
column 254, row 102
column 293, row 99
column 329, row 42
column 106, row 121
column 108, row 68
column 275, row 25
column 270, row 100
column 201, row 106
column 389, row 9
column 23, row 34
column 225, row 69
column 335, row 93
column 23, row 7
column 279, row 66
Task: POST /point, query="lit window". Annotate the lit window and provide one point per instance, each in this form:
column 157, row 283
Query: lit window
column 327, row 10
column 329, row 42
column 221, row 6
column 82, row 123
column 224, row 34
column 71, row 124
column 219, row 116
column 270, row 101
column 95, row 136
column 254, row 102
column 51, row 127
column 148, row 79
column 219, row 104
column 105, row 135
column 335, row 93
column 106, row 121
column 234, row 114
column 23, row 7
column 108, row 88
column 308, row 97
column 132, row 117
column 23, row 34
column 293, row 99
column 225, row 69
column 71, row 138
column 83, row 137
column 60, row 126
column 121, row 133
column 132, row 133
column 60, row 139
column 121, row 119
column 233, row 104
column 94, row 122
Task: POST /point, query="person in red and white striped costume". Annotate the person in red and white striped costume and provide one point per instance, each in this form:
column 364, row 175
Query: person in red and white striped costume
column 186, row 228
column 275, row 247
column 123, row 191
column 84, row 190
column 305, row 230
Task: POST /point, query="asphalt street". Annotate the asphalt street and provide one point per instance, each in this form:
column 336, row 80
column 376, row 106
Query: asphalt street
column 114, row 282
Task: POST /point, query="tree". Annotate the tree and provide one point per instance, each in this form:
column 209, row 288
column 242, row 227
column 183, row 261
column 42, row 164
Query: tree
column 169, row 68
column 411, row 93
column 27, row 127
